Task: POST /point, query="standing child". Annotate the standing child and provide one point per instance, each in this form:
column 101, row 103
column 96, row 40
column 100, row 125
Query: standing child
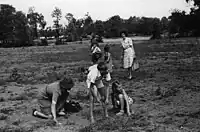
column 108, row 63
column 95, row 47
column 94, row 82
column 108, row 60
column 95, row 50
column 120, row 99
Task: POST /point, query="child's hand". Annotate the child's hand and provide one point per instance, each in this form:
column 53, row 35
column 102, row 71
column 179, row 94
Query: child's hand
column 122, row 57
column 106, row 102
column 129, row 114
column 57, row 123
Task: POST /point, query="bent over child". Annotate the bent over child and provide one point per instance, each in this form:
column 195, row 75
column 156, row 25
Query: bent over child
column 52, row 98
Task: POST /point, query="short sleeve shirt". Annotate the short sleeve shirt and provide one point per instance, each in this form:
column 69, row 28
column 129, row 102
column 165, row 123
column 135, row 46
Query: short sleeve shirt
column 96, row 50
column 51, row 92
column 93, row 76
column 126, row 43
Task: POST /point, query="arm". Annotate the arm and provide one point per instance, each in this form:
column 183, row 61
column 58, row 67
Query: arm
column 94, row 92
column 53, row 110
column 122, row 54
column 127, row 103
column 53, row 105
column 107, row 94
column 130, row 43
column 107, row 57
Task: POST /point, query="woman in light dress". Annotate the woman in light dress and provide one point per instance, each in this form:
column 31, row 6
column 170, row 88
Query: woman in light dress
column 128, row 53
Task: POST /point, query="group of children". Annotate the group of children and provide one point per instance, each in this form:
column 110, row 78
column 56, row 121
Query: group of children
column 100, row 72
column 53, row 96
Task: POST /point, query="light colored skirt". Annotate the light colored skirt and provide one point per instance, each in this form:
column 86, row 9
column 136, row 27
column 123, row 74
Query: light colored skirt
column 128, row 58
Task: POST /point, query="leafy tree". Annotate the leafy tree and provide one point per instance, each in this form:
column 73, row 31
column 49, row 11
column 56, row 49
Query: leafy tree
column 42, row 24
column 79, row 27
column 113, row 26
column 14, row 30
column 6, row 22
column 71, row 27
column 179, row 23
column 194, row 17
column 99, row 28
column 156, row 31
column 88, row 26
column 33, row 20
column 164, row 24
column 57, row 15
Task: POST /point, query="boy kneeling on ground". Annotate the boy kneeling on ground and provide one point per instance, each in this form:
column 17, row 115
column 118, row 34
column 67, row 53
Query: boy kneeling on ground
column 120, row 99
column 52, row 99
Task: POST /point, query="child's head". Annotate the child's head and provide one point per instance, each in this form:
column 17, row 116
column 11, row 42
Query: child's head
column 66, row 84
column 107, row 48
column 83, row 73
column 83, row 70
column 95, row 43
column 102, row 68
column 116, row 86
column 96, row 57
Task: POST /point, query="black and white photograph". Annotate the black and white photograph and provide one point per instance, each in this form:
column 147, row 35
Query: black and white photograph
column 99, row 65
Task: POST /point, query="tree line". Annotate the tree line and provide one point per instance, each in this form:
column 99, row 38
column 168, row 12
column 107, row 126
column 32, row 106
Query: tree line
column 19, row 29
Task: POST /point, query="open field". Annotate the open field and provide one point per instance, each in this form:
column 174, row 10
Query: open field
column 166, row 88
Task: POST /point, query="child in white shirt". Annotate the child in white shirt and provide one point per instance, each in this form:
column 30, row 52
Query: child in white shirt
column 97, row 73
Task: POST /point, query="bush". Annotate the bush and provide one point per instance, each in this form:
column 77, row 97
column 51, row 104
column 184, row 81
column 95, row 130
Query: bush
column 99, row 39
column 40, row 42
column 58, row 42
column 44, row 42
column 14, row 76
column 3, row 116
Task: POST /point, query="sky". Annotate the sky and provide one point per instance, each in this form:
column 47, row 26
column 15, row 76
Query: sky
column 100, row 9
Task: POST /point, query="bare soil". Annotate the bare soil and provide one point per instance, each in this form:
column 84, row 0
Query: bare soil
column 166, row 89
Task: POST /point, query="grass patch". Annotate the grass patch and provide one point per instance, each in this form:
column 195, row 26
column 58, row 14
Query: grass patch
column 7, row 110
column 2, row 99
column 22, row 96
column 2, row 82
column 3, row 117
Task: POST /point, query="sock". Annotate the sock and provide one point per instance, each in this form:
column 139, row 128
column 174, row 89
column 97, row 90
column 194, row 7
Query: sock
column 35, row 112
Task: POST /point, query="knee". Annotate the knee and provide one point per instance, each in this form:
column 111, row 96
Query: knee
column 121, row 96
column 91, row 97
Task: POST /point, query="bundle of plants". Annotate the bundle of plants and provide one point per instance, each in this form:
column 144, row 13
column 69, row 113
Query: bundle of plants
column 72, row 107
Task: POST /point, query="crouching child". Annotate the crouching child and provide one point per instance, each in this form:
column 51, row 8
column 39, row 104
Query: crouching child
column 120, row 99
column 52, row 99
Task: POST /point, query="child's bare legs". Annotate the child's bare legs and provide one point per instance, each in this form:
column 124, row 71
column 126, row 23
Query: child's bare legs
column 107, row 83
column 45, row 109
column 113, row 101
column 107, row 92
column 103, row 92
column 122, row 103
column 95, row 94
column 41, row 115
column 91, row 106
column 130, row 72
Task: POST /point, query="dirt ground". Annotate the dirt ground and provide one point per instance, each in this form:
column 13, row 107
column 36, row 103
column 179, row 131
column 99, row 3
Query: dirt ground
column 166, row 89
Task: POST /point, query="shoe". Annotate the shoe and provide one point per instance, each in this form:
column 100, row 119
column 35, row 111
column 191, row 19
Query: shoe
column 61, row 113
column 33, row 112
column 92, row 120
column 120, row 113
